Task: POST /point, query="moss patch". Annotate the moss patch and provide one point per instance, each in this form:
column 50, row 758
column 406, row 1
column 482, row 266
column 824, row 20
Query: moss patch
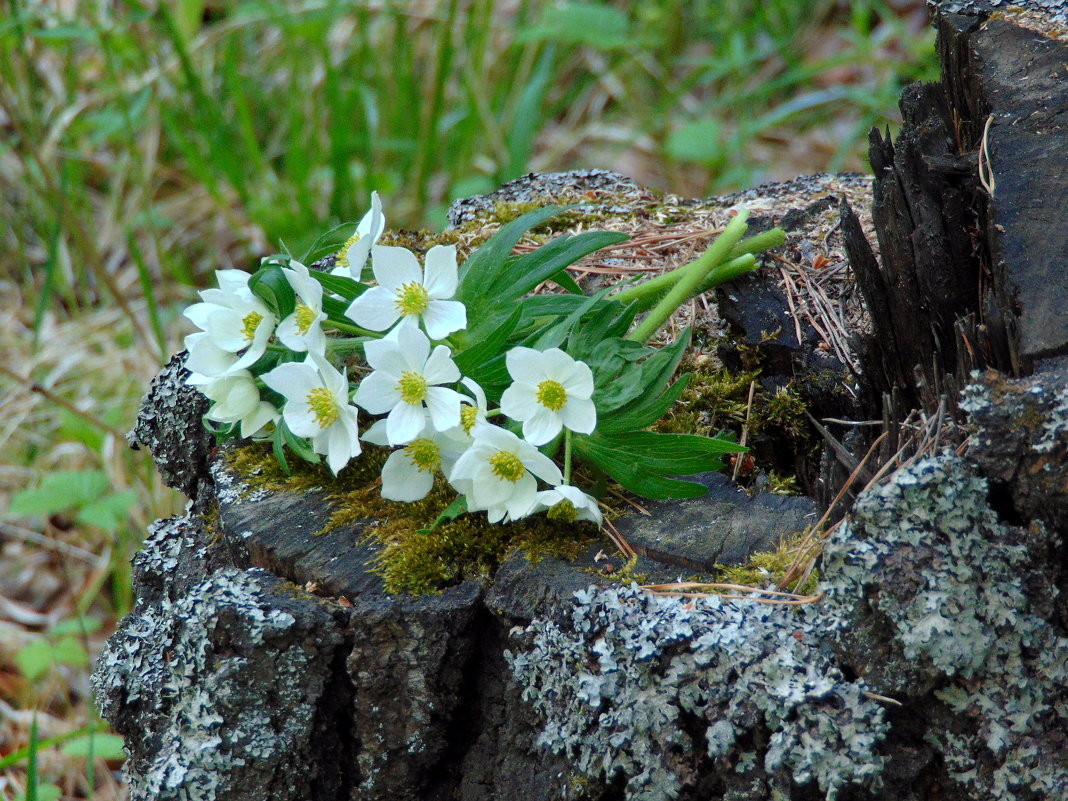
column 769, row 567
column 409, row 560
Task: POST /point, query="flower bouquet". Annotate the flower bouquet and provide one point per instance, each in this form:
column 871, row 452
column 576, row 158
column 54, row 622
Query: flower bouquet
column 524, row 401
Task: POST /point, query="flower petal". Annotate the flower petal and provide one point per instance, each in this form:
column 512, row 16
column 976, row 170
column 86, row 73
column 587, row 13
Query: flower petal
column 403, row 481
column 376, row 433
column 395, row 266
column 375, row 309
column 442, row 317
column 542, row 426
column 520, row 401
column 444, row 407
column 524, row 364
column 404, row 423
column 377, row 393
column 293, row 380
column 580, row 415
column 440, row 368
column 543, row 467
column 441, row 272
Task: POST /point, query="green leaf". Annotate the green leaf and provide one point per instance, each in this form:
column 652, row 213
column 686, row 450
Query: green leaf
column 595, row 24
column 700, row 142
column 108, row 512
column 35, row 659
column 300, row 446
column 102, row 746
column 60, row 491
column 42, row 792
column 76, row 626
column 644, row 412
column 544, row 264
column 482, row 267
column 269, row 283
column 278, row 448
column 450, row 512
column 642, row 461
column 348, row 288
column 69, row 651
column 473, row 359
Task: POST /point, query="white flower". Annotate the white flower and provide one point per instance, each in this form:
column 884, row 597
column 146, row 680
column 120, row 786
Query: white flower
column 495, row 473
column 317, row 407
column 234, row 319
column 408, row 474
column 405, row 382
column 206, row 361
column 404, row 293
column 353, row 255
column 551, row 391
column 303, row 330
column 569, row 504
column 237, row 400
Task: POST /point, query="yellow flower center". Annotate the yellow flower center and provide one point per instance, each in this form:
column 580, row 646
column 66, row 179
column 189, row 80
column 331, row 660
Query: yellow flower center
column 552, row 395
column 424, row 454
column 305, row 317
column 321, row 402
column 342, row 257
column 564, row 511
column 412, row 387
column 468, row 417
column 412, row 298
column 250, row 323
column 507, row 466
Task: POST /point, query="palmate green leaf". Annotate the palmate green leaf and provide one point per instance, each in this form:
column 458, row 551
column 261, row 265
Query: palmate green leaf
column 643, row 412
column 548, row 262
column 642, row 461
column 621, row 379
column 269, row 284
column 482, row 268
column 473, row 361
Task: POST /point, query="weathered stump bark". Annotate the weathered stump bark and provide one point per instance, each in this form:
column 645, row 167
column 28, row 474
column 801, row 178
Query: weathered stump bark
column 265, row 661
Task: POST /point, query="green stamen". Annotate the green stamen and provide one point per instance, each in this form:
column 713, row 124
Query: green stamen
column 412, row 387
column 305, row 317
column 552, row 395
column 321, row 402
column 424, row 454
column 507, row 466
column 413, row 298
column 250, row 323
column 563, row 511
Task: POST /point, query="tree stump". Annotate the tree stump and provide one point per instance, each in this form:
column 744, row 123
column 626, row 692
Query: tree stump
column 264, row 659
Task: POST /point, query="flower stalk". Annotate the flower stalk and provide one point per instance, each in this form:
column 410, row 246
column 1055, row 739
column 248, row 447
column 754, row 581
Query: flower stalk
column 692, row 278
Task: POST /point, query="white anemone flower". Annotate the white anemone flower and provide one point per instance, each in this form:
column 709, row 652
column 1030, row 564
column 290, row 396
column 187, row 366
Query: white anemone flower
column 353, row 254
column 408, row 474
column 206, row 361
column 237, row 400
column 317, row 407
column 406, row 380
column 568, row 504
column 234, row 319
column 550, row 391
column 405, row 293
column 497, row 474
column 303, row 329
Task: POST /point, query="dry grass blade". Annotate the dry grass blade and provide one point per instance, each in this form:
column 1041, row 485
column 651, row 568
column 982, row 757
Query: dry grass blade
column 690, row 589
column 618, row 540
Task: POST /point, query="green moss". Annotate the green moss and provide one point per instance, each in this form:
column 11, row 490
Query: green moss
column 409, row 560
column 769, row 567
column 713, row 400
column 419, row 242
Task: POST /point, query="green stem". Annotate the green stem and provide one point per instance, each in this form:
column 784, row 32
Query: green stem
column 647, row 292
column 567, row 456
column 353, row 329
column 695, row 275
